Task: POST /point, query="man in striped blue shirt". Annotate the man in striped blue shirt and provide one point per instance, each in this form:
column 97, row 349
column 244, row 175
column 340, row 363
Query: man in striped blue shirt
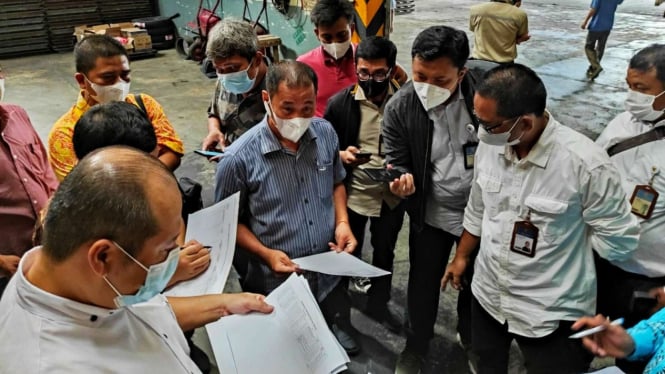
column 292, row 199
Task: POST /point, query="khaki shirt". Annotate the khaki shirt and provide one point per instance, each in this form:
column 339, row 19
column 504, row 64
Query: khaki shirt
column 496, row 27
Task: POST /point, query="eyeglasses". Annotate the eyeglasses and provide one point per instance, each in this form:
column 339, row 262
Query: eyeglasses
column 489, row 127
column 378, row 76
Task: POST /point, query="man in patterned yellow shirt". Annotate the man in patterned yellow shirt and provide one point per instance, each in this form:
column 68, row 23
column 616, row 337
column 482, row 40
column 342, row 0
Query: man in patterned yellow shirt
column 103, row 74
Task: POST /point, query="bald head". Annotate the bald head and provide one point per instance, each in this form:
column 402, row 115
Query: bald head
column 111, row 194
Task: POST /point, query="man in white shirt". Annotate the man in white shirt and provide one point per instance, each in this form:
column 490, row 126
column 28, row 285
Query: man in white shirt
column 642, row 167
column 540, row 183
column 83, row 302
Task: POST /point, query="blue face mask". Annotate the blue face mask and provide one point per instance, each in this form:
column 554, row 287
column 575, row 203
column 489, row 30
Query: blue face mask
column 158, row 278
column 238, row 82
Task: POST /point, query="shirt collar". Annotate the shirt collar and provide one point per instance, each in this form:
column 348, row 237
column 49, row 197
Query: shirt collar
column 540, row 154
column 270, row 143
column 53, row 307
column 81, row 106
column 359, row 94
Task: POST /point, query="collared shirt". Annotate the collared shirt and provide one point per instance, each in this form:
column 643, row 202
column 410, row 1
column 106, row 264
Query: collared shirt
column 237, row 113
column 575, row 199
column 649, row 343
column 61, row 147
column 451, row 182
column 636, row 168
column 286, row 198
column 26, row 180
column 603, row 19
column 58, row 335
column 366, row 196
column 496, row 27
column 333, row 75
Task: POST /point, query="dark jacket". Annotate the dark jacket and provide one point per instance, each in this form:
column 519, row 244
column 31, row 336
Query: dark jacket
column 407, row 138
column 343, row 112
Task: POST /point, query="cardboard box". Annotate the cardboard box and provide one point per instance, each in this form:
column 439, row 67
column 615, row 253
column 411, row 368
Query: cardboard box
column 107, row 29
column 139, row 39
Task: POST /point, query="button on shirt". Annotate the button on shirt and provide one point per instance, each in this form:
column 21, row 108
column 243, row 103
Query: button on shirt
column 451, row 182
column 575, row 198
column 57, row 335
column 26, row 180
column 635, row 166
column 286, row 198
column 333, row 75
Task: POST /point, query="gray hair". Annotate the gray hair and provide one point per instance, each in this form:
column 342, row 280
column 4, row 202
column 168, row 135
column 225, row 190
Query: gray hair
column 292, row 73
column 106, row 196
column 231, row 37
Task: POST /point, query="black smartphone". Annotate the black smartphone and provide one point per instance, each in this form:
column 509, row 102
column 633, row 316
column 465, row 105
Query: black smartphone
column 383, row 175
column 642, row 302
column 208, row 153
column 363, row 155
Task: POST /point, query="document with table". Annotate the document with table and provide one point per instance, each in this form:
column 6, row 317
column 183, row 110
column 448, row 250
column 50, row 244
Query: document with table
column 342, row 264
column 293, row 339
column 215, row 226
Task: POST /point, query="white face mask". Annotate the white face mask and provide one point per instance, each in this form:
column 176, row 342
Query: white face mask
column 2, row 88
column 640, row 105
column 499, row 139
column 337, row 50
column 430, row 95
column 293, row 128
column 114, row 92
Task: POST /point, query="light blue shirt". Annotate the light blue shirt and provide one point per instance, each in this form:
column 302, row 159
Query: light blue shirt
column 286, row 198
column 649, row 337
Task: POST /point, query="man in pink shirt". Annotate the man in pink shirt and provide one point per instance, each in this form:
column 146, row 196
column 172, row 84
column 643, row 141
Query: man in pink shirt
column 27, row 183
column 333, row 61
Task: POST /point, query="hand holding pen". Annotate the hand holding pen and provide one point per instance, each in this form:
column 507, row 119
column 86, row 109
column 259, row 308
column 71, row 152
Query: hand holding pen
column 604, row 337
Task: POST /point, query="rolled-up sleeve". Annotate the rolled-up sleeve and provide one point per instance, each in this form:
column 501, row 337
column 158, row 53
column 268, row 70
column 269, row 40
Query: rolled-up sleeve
column 473, row 213
column 615, row 230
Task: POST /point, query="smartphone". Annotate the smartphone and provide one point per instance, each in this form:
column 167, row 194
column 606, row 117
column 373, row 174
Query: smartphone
column 642, row 303
column 208, row 153
column 363, row 155
column 383, row 175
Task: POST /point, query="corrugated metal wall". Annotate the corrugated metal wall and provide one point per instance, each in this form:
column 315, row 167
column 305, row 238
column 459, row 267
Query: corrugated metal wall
column 42, row 26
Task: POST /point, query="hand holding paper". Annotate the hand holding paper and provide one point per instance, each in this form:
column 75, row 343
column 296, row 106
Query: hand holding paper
column 339, row 263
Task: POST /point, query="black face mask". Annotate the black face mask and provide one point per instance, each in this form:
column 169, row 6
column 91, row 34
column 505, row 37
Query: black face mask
column 371, row 88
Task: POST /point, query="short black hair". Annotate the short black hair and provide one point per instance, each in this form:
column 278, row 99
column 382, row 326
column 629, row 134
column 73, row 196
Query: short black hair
column 106, row 196
column 376, row 48
column 441, row 41
column 114, row 123
column 292, row 73
column 92, row 47
column 651, row 57
column 327, row 12
column 516, row 89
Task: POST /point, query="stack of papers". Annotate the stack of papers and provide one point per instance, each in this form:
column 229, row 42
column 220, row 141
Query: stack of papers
column 293, row 339
column 342, row 264
column 215, row 226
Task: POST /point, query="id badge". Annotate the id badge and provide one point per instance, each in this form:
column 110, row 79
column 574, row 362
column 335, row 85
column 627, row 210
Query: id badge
column 525, row 238
column 469, row 153
column 643, row 201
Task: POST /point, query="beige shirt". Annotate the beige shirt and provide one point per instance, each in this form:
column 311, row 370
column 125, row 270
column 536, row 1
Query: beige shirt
column 496, row 27
column 366, row 196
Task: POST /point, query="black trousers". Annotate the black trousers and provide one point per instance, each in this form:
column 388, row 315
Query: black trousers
column 429, row 249
column 336, row 307
column 384, row 231
column 615, row 290
column 554, row 353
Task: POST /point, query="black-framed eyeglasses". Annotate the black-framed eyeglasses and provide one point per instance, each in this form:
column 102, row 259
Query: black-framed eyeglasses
column 377, row 76
column 489, row 127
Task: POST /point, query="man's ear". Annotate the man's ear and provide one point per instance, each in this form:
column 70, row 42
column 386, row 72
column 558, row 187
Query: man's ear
column 80, row 79
column 316, row 32
column 101, row 256
column 265, row 96
column 462, row 72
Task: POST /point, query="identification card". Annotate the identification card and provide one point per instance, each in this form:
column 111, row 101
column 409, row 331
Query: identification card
column 469, row 153
column 525, row 238
column 643, row 201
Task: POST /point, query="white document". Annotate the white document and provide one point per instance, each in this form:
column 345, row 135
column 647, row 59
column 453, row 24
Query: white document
column 609, row 370
column 215, row 226
column 293, row 339
column 341, row 263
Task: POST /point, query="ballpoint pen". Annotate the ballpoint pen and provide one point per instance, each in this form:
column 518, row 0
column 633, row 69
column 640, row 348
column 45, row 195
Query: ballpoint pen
column 593, row 330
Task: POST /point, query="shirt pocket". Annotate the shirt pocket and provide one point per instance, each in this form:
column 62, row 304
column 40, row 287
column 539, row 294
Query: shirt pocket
column 490, row 187
column 28, row 153
column 549, row 216
column 324, row 179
